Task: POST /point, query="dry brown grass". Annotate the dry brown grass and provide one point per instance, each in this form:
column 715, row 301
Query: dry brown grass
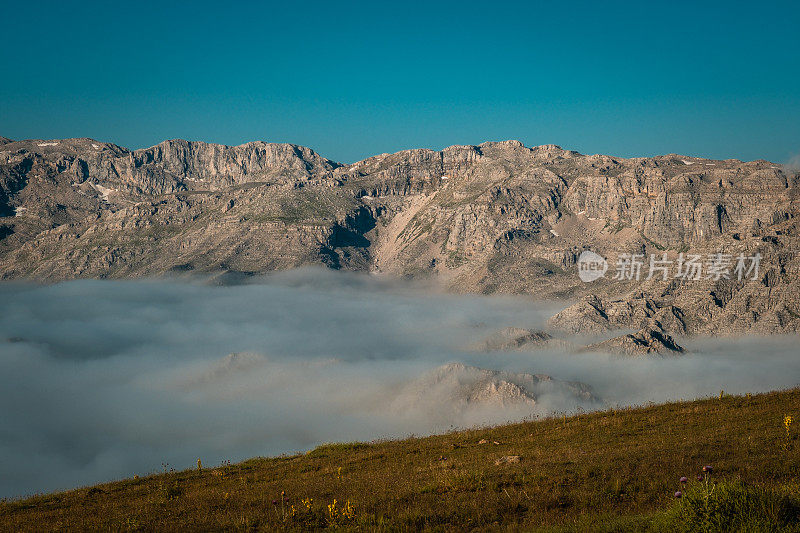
column 615, row 467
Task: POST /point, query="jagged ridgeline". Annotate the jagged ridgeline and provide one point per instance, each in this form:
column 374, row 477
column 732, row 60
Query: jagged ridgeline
column 497, row 217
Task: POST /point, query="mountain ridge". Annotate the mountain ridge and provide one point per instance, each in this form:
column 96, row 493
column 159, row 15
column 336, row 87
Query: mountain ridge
column 497, row 217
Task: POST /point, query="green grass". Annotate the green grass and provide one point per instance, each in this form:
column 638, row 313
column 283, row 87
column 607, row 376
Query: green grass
column 609, row 471
column 456, row 258
column 707, row 506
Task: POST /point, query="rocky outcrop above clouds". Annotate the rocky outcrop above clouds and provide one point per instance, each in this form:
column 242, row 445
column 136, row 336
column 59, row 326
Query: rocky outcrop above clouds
column 493, row 218
column 516, row 338
column 458, row 387
column 649, row 340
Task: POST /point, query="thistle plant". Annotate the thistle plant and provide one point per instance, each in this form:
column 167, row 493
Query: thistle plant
column 683, row 480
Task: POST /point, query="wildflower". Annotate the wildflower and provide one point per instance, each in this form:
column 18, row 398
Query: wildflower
column 707, row 469
column 678, row 494
column 699, row 478
column 684, row 479
column 274, row 502
column 788, row 420
column 348, row 511
column 339, row 473
column 333, row 512
column 307, row 502
column 199, row 464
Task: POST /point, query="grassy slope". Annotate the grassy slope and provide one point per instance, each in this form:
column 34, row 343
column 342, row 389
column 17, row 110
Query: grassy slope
column 619, row 467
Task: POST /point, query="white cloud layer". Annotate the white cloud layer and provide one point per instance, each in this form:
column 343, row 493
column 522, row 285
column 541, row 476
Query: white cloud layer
column 102, row 380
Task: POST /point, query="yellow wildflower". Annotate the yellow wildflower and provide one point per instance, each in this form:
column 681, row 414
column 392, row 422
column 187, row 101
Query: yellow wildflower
column 348, row 511
column 333, row 512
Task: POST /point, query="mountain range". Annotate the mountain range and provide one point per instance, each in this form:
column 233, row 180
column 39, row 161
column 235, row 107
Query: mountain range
column 498, row 217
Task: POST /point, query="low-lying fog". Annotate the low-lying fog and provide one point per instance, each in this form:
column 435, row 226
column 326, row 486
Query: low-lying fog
column 106, row 379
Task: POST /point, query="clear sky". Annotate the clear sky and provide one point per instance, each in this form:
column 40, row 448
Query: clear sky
column 713, row 79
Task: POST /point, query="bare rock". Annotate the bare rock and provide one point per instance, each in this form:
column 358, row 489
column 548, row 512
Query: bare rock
column 508, row 459
column 515, row 338
column 457, row 387
column 497, row 217
column 645, row 341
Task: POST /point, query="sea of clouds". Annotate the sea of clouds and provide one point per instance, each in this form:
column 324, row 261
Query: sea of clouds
column 102, row 380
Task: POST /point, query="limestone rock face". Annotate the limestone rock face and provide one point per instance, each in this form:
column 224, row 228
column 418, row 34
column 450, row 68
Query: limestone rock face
column 183, row 165
column 650, row 340
column 493, row 218
column 597, row 315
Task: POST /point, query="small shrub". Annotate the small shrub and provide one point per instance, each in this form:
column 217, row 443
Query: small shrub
column 171, row 491
column 733, row 506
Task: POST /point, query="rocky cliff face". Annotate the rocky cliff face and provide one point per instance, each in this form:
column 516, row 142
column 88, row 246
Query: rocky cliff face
column 497, row 217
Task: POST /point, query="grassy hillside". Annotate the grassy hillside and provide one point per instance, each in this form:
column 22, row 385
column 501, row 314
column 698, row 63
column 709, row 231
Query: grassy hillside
column 614, row 470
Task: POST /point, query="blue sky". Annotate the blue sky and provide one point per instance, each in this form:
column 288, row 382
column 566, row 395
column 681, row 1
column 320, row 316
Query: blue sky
column 713, row 79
